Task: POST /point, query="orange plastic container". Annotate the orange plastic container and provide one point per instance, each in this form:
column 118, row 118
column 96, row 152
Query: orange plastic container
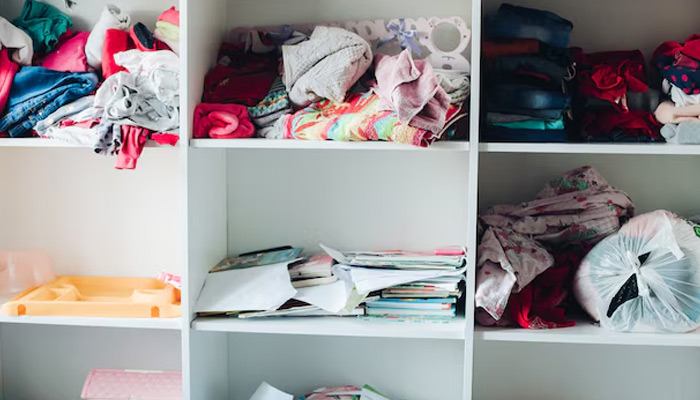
column 86, row 296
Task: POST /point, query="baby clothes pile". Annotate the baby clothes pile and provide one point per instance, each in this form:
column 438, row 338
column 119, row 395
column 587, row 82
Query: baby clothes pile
column 527, row 66
column 49, row 73
column 679, row 64
column 529, row 252
column 328, row 86
column 614, row 100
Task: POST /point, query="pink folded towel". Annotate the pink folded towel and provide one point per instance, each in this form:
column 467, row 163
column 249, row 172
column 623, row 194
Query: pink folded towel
column 222, row 121
column 668, row 113
column 411, row 89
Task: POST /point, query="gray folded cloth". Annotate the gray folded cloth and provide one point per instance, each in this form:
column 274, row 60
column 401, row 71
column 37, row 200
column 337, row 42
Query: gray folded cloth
column 326, row 66
column 683, row 133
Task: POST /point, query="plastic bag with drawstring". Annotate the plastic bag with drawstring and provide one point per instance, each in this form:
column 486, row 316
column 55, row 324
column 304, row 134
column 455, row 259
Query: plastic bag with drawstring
column 645, row 278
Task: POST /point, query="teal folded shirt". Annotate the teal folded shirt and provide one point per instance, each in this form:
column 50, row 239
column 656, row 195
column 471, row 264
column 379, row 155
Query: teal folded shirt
column 43, row 23
column 535, row 124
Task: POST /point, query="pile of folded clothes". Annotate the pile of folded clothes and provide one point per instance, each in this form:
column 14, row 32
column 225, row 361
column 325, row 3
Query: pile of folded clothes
column 614, row 102
column 327, row 86
column 529, row 253
column 527, row 66
column 49, row 73
column 679, row 64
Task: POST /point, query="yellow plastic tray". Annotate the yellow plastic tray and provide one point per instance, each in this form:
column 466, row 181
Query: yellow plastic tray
column 86, row 296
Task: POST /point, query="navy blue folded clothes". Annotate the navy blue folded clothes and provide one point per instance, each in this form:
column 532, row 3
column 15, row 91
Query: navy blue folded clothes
column 501, row 134
column 527, row 23
column 529, row 66
column 506, row 98
column 37, row 92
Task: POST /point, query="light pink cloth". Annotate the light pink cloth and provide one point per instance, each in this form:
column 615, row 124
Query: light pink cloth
column 69, row 54
column 668, row 113
column 412, row 90
column 171, row 15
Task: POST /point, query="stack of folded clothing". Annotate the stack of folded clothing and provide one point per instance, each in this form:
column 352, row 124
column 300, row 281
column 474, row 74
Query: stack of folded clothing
column 529, row 252
column 528, row 66
column 614, row 102
column 679, row 64
column 432, row 299
column 51, row 95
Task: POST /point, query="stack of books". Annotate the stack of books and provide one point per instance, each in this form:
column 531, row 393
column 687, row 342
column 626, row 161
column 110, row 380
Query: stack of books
column 433, row 299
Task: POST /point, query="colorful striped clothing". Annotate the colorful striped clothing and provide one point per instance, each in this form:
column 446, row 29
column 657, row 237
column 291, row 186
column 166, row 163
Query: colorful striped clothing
column 358, row 119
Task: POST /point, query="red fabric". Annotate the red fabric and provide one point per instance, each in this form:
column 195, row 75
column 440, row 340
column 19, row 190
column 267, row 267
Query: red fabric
column 509, row 47
column 69, row 54
column 8, row 70
column 165, row 138
column 691, row 48
column 133, row 141
column 633, row 123
column 240, row 77
column 539, row 304
column 88, row 123
column 609, row 75
column 223, row 85
column 222, row 121
column 116, row 41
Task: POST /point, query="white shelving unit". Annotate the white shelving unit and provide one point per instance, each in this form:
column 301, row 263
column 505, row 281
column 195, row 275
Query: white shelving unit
column 187, row 207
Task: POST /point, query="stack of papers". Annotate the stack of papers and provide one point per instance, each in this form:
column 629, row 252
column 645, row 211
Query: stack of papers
column 415, row 285
column 280, row 282
column 266, row 392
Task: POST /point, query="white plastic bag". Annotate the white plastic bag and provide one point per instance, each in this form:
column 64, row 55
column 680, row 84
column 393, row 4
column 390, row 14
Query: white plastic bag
column 645, row 278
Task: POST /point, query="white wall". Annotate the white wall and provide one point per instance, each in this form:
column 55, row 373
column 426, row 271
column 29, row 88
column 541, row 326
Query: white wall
column 350, row 200
column 270, row 12
column 90, row 218
column 535, row 371
column 652, row 181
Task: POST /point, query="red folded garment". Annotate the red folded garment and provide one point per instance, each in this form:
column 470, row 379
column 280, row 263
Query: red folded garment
column 609, row 75
column 223, row 85
column 8, row 70
column 691, row 48
column 116, row 41
column 69, row 53
column 240, row 77
column 633, row 123
column 222, row 121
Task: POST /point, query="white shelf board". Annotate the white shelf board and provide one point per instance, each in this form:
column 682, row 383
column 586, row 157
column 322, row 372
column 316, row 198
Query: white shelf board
column 291, row 144
column 52, row 143
column 133, row 323
column 588, row 333
column 590, row 148
column 335, row 326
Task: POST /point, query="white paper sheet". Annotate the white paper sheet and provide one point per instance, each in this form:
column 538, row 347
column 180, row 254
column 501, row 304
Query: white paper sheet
column 249, row 289
column 332, row 297
column 367, row 280
column 267, row 392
